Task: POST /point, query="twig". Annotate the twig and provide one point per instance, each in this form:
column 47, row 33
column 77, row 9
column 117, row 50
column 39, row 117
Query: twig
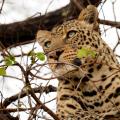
column 2, row 6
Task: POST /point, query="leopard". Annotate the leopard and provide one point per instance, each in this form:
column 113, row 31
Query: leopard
column 86, row 67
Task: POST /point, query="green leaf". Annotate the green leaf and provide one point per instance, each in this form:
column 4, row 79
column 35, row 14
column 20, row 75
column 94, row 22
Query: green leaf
column 82, row 53
column 12, row 58
column 2, row 71
column 40, row 56
column 92, row 53
column 85, row 52
column 9, row 60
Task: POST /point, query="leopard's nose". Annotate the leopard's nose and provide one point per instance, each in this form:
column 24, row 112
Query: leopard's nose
column 55, row 54
column 77, row 61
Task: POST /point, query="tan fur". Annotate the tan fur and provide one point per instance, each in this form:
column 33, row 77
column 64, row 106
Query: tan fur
column 89, row 89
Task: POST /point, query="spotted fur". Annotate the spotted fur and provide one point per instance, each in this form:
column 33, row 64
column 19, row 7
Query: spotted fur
column 89, row 87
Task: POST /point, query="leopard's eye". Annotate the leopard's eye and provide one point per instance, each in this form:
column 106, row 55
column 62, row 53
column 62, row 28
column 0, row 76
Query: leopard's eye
column 47, row 44
column 71, row 33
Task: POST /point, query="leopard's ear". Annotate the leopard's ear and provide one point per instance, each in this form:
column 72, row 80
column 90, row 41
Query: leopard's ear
column 89, row 15
column 42, row 36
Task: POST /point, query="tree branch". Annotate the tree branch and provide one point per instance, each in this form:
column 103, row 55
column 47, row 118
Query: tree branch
column 25, row 31
column 111, row 23
column 39, row 89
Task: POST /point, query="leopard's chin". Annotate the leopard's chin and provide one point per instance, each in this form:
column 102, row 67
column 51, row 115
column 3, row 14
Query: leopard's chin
column 64, row 70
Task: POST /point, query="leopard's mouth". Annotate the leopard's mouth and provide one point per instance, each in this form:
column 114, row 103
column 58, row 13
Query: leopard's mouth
column 64, row 69
column 60, row 67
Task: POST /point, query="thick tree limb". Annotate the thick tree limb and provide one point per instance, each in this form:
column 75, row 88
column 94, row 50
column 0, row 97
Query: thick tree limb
column 39, row 89
column 7, row 116
column 111, row 23
column 25, row 31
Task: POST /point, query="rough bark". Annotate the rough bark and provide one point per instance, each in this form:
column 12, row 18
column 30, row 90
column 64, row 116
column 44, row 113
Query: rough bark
column 7, row 116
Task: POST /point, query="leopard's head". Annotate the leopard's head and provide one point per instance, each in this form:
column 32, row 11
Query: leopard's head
column 72, row 45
